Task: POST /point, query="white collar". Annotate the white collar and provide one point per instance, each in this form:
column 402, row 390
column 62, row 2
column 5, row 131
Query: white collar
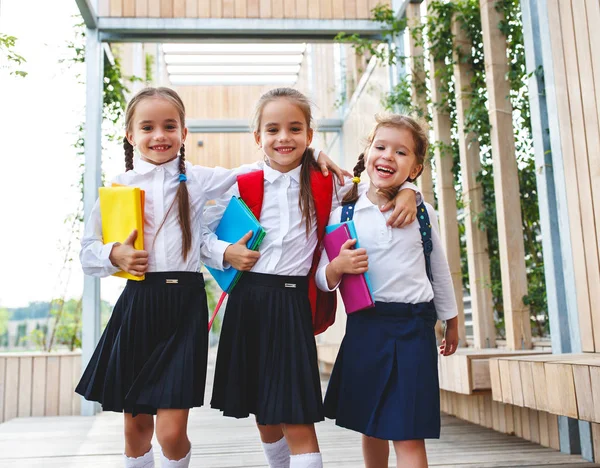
column 363, row 202
column 272, row 175
column 144, row 167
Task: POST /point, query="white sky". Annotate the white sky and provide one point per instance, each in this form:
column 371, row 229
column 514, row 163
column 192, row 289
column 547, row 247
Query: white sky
column 39, row 167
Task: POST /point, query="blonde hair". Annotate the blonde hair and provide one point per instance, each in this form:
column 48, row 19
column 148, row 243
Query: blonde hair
column 182, row 197
column 305, row 202
column 418, row 131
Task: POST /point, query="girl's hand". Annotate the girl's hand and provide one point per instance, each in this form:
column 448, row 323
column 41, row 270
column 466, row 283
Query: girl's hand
column 405, row 208
column 326, row 163
column 349, row 261
column 127, row 258
column 239, row 256
column 450, row 341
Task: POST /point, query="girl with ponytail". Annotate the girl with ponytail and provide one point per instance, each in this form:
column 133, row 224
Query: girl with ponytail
column 152, row 357
column 384, row 383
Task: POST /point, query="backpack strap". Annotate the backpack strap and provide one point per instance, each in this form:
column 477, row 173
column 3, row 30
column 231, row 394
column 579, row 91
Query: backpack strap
column 347, row 212
column 425, row 230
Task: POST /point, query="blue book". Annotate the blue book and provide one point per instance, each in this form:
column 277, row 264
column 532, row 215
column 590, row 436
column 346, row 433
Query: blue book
column 353, row 235
column 237, row 220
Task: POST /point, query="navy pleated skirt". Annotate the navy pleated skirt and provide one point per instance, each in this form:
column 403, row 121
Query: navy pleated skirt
column 385, row 380
column 267, row 358
column 153, row 352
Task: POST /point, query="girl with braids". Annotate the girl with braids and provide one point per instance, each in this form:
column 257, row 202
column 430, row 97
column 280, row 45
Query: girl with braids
column 385, row 382
column 152, row 356
column 267, row 357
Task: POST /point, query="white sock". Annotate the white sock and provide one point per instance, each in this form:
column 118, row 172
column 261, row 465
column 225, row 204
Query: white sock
column 306, row 460
column 183, row 463
column 277, row 453
column 145, row 461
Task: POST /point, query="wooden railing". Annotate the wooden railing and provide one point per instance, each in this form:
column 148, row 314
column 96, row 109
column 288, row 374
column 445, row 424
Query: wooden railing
column 39, row 384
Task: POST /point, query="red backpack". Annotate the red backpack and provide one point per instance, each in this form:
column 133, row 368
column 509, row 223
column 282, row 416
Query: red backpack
column 252, row 190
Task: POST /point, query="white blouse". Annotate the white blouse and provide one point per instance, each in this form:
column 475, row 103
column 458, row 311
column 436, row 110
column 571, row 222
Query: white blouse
column 396, row 260
column 160, row 182
column 286, row 248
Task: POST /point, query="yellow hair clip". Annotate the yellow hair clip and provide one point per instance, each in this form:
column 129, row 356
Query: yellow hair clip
column 355, row 180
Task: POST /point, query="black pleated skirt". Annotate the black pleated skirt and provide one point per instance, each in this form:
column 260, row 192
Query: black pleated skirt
column 153, row 352
column 267, row 358
column 384, row 382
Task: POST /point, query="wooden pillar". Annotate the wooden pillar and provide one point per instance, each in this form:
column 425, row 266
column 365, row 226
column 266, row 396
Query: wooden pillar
column 506, row 181
column 417, row 66
column 484, row 331
column 446, row 194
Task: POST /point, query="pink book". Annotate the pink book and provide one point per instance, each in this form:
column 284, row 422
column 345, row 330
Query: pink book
column 354, row 289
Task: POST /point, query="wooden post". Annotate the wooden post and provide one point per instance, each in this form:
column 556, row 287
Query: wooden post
column 506, row 181
column 446, row 194
column 484, row 331
column 417, row 66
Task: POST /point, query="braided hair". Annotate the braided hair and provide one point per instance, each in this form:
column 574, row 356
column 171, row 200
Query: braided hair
column 182, row 197
column 359, row 168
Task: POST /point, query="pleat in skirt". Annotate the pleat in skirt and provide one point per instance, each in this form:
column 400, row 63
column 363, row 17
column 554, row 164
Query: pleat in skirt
column 384, row 382
column 267, row 357
column 153, row 352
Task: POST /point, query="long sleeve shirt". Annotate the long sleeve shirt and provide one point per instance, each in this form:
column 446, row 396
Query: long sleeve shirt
column 396, row 260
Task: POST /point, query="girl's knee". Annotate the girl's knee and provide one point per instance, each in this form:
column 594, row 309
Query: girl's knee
column 409, row 445
column 270, row 433
column 171, row 435
column 139, row 427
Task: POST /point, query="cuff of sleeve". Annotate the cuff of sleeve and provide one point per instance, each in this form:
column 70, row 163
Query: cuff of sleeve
column 219, row 248
column 447, row 316
column 105, row 257
column 321, row 280
column 410, row 185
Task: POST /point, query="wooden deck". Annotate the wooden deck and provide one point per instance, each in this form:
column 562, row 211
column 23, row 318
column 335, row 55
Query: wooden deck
column 90, row 442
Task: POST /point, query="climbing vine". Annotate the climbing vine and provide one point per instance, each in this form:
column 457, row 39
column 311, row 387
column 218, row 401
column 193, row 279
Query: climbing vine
column 7, row 46
column 435, row 36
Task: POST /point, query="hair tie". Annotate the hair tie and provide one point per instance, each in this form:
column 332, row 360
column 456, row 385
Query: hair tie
column 182, row 178
column 355, row 179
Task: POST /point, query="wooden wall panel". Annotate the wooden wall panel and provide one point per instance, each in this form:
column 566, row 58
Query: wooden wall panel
column 129, row 9
column 289, row 8
column 2, row 386
column 25, row 387
column 154, row 8
column 241, row 9
column 179, row 8
column 116, row 8
column 253, row 9
column 141, row 8
column 314, row 9
column 570, row 115
column 166, row 8
column 38, row 400
column 266, row 10
column 216, row 8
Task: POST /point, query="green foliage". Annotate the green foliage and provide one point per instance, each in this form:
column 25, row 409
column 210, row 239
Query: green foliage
column 149, row 66
column 4, row 316
column 63, row 325
column 7, row 45
column 439, row 42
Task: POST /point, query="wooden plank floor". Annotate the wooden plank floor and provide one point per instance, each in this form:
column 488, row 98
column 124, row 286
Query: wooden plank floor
column 90, row 442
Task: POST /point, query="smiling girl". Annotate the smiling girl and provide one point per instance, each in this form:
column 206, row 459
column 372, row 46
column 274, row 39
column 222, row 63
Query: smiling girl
column 385, row 383
column 267, row 357
column 152, row 356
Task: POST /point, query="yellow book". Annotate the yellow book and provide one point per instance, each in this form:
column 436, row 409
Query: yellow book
column 122, row 210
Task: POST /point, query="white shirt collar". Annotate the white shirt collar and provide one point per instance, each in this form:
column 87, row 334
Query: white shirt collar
column 143, row 167
column 272, row 175
column 363, row 202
